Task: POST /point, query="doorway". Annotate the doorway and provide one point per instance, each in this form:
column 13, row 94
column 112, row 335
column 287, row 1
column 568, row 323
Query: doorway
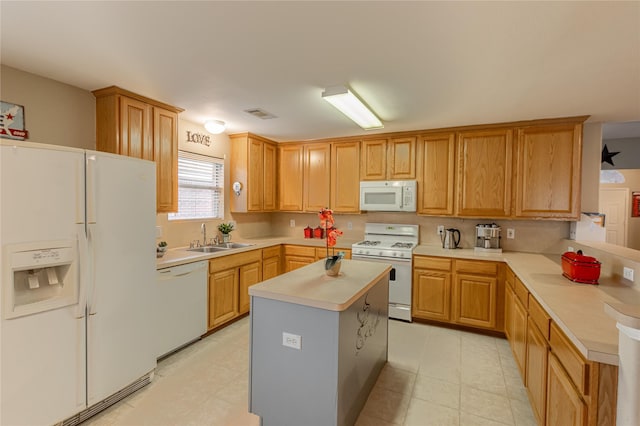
column 614, row 203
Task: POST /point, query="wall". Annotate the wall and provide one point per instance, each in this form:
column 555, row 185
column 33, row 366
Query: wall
column 591, row 150
column 55, row 113
column 530, row 236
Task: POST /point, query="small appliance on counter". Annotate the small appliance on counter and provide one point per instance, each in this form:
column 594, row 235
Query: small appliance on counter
column 579, row 268
column 450, row 238
column 488, row 238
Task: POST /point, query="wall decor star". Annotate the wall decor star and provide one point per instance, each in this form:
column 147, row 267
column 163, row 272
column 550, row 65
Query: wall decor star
column 607, row 157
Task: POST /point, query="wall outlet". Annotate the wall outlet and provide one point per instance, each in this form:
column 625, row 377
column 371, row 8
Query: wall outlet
column 292, row 223
column 291, row 340
column 440, row 229
column 570, row 248
column 349, row 225
column 158, row 231
column 627, row 273
column 511, row 233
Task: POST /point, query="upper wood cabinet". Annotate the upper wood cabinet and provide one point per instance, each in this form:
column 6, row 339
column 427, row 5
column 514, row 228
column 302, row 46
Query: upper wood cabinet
column 345, row 173
column 548, row 171
column 136, row 126
column 316, row 166
column 436, row 172
column 290, row 175
column 253, row 164
column 485, row 158
column 398, row 153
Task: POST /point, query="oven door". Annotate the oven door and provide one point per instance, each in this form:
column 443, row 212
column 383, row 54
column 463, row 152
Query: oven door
column 399, row 286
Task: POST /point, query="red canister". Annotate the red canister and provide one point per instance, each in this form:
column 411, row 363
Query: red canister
column 318, row 232
column 308, row 232
column 579, row 268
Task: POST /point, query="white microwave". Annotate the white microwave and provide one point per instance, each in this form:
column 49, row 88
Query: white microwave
column 388, row 195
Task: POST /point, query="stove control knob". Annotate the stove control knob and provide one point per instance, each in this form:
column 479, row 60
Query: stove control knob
column 366, row 252
column 379, row 253
column 401, row 254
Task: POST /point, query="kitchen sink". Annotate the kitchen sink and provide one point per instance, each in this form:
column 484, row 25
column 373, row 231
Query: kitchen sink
column 232, row 245
column 208, row 249
column 219, row 247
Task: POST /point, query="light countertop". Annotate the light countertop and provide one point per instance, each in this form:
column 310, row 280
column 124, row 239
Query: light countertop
column 311, row 286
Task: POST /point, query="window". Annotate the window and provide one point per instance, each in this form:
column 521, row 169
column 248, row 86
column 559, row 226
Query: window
column 200, row 187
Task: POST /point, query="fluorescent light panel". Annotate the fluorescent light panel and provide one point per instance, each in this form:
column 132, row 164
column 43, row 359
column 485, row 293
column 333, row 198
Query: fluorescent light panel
column 349, row 104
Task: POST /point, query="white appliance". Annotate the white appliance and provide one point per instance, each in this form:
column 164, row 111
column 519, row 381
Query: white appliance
column 388, row 196
column 182, row 303
column 77, row 238
column 394, row 244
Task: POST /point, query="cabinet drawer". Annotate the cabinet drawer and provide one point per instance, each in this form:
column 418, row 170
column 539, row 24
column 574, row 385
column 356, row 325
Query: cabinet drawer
column 300, row 251
column 234, row 260
column 577, row 367
column 438, row 263
column 510, row 278
column 271, row 252
column 522, row 292
column 539, row 316
column 477, row 267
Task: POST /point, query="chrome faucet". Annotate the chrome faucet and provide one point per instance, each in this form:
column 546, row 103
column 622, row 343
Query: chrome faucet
column 203, row 229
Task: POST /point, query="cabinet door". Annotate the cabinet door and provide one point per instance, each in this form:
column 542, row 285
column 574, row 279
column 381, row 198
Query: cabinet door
column 436, row 174
column 402, row 158
column 223, row 296
column 509, row 296
column 165, row 141
column 536, row 376
column 564, row 405
column 484, row 173
column 255, row 175
column 294, row 262
column 135, row 129
column 431, row 295
column 290, row 177
column 269, row 199
column 548, row 171
column 249, row 275
column 345, row 177
column 270, row 267
column 519, row 341
column 474, row 300
column 316, row 176
column 373, row 162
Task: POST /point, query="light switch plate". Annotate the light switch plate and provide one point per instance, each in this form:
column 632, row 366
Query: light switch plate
column 511, row 233
column 291, row 340
column 627, row 273
column 292, row 223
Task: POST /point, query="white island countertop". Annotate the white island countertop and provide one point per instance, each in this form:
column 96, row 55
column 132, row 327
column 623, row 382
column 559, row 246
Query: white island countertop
column 311, row 286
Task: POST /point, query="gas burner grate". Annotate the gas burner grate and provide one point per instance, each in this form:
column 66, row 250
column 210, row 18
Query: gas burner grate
column 369, row 243
column 402, row 245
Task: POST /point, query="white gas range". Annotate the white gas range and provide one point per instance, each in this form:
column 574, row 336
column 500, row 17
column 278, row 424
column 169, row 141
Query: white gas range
column 394, row 244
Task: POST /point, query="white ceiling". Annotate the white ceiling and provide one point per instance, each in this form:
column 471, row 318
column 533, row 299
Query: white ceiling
column 420, row 65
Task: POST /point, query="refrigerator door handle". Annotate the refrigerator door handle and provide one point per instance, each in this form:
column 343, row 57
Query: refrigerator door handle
column 92, row 297
column 83, row 271
column 91, row 188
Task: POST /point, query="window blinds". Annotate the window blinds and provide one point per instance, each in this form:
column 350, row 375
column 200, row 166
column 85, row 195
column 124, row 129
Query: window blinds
column 200, row 187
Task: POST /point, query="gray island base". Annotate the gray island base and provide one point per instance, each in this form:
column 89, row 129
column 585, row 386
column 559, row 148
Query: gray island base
column 318, row 343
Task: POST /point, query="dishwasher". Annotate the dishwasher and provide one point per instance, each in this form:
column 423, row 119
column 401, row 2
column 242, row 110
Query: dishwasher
column 181, row 306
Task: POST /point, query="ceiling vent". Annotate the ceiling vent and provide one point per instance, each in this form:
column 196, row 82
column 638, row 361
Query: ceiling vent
column 260, row 113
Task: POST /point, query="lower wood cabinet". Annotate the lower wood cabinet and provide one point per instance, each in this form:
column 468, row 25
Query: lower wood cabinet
column 458, row 291
column 296, row 256
column 229, row 280
column 564, row 405
column 519, row 339
column 536, row 370
column 271, row 261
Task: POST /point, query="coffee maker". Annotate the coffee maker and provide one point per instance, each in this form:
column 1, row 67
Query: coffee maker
column 488, row 238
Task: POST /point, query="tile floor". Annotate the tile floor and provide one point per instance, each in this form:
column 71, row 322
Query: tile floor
column 435, row 376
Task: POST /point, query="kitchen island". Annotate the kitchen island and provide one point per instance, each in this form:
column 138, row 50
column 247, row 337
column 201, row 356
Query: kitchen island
column 318, row 343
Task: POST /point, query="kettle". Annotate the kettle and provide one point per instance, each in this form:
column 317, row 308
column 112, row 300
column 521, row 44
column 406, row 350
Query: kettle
column 450, row 238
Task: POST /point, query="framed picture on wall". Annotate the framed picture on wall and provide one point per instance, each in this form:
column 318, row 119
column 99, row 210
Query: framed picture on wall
column 12, row 121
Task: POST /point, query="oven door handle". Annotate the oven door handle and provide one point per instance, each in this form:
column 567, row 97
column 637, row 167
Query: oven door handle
column 392, row 274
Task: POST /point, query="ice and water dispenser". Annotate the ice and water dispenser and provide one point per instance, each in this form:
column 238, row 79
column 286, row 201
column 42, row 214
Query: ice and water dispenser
column 39, row 277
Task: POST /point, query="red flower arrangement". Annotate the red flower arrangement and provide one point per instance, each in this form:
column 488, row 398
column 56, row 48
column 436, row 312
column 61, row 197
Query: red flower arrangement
column 331, row 233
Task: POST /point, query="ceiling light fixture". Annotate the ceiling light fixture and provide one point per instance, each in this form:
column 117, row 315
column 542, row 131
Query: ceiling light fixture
column 214, row 126
column 348, row 103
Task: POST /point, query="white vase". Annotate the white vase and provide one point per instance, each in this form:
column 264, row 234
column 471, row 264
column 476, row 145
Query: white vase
column 226, row 238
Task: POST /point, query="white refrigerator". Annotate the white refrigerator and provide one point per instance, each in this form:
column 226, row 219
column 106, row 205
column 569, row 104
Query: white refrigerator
column 77, row 239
